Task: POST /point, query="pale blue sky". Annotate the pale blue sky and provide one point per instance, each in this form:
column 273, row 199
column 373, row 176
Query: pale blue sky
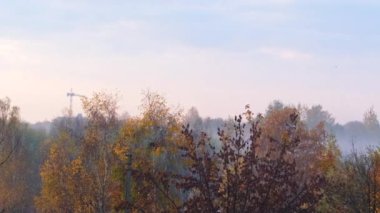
column 215, row 55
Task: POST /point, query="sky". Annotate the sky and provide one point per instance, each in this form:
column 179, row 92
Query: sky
column 215, row 55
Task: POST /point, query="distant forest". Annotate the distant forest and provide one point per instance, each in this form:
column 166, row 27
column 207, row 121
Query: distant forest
column 286, row 159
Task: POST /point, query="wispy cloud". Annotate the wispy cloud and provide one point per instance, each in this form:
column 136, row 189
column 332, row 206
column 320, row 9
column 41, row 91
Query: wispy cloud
column 285, row 53
column 16, row 52
column 188, row 50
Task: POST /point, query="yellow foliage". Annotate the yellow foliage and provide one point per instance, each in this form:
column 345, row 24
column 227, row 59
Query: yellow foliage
column 153, row 140
column 54, row 181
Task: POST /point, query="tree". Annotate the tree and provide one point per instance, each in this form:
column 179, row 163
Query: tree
column 55, row 194
column 370, row 120
column 194, row 120
column 96, row 153
column 316, row 115
column 355, row 184
column 77, row 176
column 152, row 140
column 332, row 168
column 255, row 172
column 9, row 129
column 274, row 106
column 11, row 185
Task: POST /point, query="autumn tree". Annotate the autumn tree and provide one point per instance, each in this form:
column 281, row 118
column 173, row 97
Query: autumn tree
column 55, row 195
column 152, row 140
column 77, row 175
column 274, row 106
column 19, row 161
column 96, row 157
column 14, row 160
column 315, row 115
column 370, row 121
column 258, row 171
column 18, row 177
column 194, row 120
column 354, row 187
column 333, row 170
column 9, row 129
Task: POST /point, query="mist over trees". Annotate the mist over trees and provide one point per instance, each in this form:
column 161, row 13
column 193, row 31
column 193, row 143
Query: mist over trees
column 288, row 159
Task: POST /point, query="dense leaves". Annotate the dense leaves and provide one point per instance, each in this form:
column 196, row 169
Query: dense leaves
column 241, row 177
column 9, row 130
column 163, row 160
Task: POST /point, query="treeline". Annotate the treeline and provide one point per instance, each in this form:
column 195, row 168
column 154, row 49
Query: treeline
column 164, row 160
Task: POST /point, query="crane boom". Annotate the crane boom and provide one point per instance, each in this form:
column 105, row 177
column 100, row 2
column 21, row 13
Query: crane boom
column 71, row 94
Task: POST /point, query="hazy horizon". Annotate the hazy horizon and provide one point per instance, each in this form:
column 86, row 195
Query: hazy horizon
column 197, row 53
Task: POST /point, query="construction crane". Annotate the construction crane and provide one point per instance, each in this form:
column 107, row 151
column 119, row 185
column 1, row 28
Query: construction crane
column 71, row 94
